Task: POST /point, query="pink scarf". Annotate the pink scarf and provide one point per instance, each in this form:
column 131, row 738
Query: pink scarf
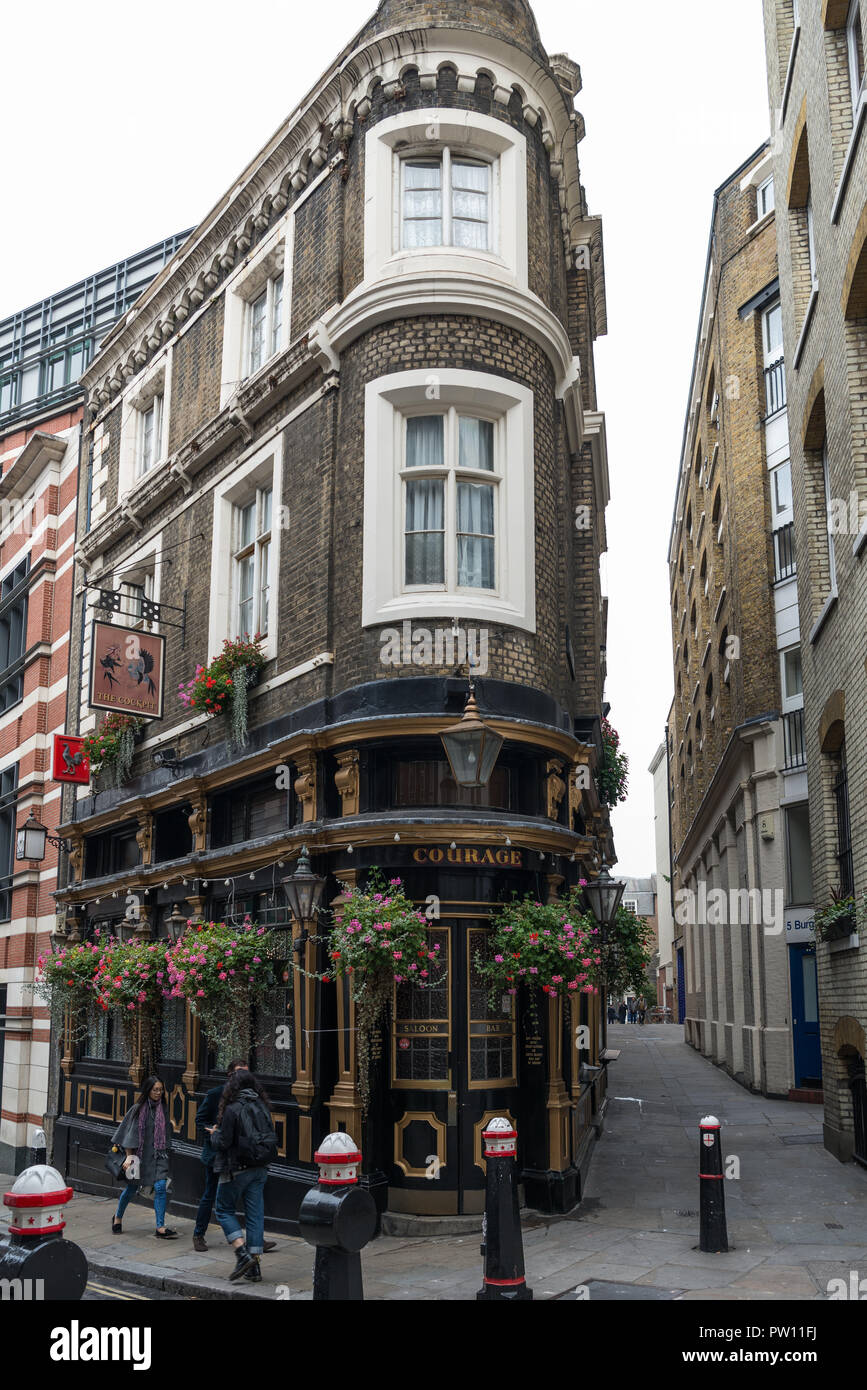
column 159, row 1127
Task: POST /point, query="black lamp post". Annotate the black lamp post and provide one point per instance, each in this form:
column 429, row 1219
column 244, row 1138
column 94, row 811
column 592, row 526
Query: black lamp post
column 602, row 895
column 304, row 891
column 31, row 837
column 472, row 747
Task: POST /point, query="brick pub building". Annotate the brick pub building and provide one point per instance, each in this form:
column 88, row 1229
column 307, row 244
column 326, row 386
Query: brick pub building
column 358, row 413
column 43, row 351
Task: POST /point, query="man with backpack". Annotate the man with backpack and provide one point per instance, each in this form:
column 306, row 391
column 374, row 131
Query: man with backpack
column 245, row 1143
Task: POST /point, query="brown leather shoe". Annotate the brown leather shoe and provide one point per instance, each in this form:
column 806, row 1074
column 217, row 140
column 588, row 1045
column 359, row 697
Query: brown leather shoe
column 199, row 1244
column 269, row 1245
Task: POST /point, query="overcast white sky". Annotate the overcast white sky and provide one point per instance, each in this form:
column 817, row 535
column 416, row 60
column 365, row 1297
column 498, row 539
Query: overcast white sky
column 131, row 122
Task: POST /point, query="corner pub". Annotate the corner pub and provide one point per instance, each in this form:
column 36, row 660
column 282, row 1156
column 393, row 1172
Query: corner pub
column 418, row 218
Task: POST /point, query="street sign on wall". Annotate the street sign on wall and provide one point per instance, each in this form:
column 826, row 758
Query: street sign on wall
column 127, row 670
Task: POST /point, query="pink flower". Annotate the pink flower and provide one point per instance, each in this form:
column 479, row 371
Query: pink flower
column 423, row 973
column 257, row 960
column 223, row 975
column 131, row 1006
column 398, row 955
column 199, row 993
column 141, row 996
column 498, row 959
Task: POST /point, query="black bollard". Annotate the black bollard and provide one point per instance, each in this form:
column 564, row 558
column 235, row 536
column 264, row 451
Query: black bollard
column 36, row 1262
column 713, row 1237
column 339, row 1218
column 503, row 1247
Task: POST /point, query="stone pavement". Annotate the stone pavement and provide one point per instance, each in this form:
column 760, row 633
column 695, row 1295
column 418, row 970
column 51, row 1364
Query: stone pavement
column 796, row 1217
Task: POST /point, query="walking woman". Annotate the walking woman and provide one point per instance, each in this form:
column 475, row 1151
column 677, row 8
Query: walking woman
column 146, row 1134
column 245, row 1144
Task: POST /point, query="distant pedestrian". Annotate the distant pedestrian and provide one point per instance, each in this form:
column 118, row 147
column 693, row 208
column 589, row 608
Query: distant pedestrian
column 146, row 1133
column 246, row 1143
column 621, row 1012
column 641, row 1009
column 630, row 1011
column 612, row 1013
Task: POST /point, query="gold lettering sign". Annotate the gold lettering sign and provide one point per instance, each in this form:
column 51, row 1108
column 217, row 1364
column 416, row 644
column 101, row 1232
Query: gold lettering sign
column 471, row 856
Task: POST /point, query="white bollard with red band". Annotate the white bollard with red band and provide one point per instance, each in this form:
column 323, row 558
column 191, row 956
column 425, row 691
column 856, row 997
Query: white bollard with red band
column 36, row 1259
column 339, row 1217
column 504, row 1248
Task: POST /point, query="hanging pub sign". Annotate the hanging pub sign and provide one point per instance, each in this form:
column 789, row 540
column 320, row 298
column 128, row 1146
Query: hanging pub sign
column 69, row 762
column 127, row 670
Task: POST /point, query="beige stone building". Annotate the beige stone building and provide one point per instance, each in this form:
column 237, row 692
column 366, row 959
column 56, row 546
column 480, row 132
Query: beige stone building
column 737, row 771
column 815, row 60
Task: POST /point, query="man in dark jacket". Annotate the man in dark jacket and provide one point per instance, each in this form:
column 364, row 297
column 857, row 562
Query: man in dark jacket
column 206, row 1121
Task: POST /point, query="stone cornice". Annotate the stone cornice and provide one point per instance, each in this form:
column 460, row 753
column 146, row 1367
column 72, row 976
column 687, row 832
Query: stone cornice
column 413, row 293
column 298, row 150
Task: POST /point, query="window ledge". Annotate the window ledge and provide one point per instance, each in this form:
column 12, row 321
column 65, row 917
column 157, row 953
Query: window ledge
column 828, row 605
column 840, row 195
column 859, row 542
column 845, row 943
column 808, row 319
column 760, row 223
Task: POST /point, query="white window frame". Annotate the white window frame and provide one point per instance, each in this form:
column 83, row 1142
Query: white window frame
column 761, row 200
column 428, row 133
column 856, row 64
column 791, row 702
column 139, row 397
column 261, row 466
column 385, row 597
column 772, row 355
column 271, row 323
column 450, row 474
column 262, row 536
column 443, row 157
column 155, row 408
column 271, row 260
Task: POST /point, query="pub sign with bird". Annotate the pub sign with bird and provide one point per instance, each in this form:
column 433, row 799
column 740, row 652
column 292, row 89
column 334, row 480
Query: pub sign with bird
column 69, row 762
column 127, row 670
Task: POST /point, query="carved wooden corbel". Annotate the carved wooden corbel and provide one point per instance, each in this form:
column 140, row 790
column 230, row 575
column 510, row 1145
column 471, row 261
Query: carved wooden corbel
column 198, row 823
column 144, row 838
column 305, row 784
column 76, row 859
column 347, row 780
column 556, row 787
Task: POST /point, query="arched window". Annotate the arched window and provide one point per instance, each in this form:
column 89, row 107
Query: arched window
column 717, row 511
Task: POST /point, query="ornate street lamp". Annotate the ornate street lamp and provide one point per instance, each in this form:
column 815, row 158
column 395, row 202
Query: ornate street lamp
column 31, row 837
column 472, row 747
column 176, row 922
column 304, row 891
column 602, row 895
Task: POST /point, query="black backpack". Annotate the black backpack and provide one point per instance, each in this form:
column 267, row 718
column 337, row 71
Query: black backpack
column 257, row 1141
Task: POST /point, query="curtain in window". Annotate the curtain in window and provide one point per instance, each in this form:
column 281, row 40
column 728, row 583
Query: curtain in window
column 475, row 536
column 424, row 441
column 422, row 204
column 425, row 563
column 470, row 186
column 476, row 439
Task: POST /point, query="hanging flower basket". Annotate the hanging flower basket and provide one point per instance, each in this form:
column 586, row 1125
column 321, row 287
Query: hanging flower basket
column 223, row 685
column 839, row 919
column 379, row 939
column 552, row 948
column 112, row 747
column 222, row 971
column 65, row 982
column 612, row 774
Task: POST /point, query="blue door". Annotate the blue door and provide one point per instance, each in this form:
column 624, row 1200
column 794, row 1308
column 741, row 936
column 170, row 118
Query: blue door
column 681, row 988
column 805, row 1016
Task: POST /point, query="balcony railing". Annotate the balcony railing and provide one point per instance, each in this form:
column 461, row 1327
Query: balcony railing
column 775, row 386
column 784, row 552
column 795, row 745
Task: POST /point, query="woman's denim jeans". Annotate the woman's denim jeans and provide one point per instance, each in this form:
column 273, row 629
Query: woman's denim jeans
column 160, row 1200
column 246, row 1189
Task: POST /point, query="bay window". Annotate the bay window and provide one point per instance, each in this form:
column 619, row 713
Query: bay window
column 446, row 201
column 448, row 499
column 450, row 511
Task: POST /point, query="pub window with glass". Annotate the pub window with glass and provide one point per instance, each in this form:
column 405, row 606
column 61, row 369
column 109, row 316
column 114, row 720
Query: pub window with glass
column 250, row 563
